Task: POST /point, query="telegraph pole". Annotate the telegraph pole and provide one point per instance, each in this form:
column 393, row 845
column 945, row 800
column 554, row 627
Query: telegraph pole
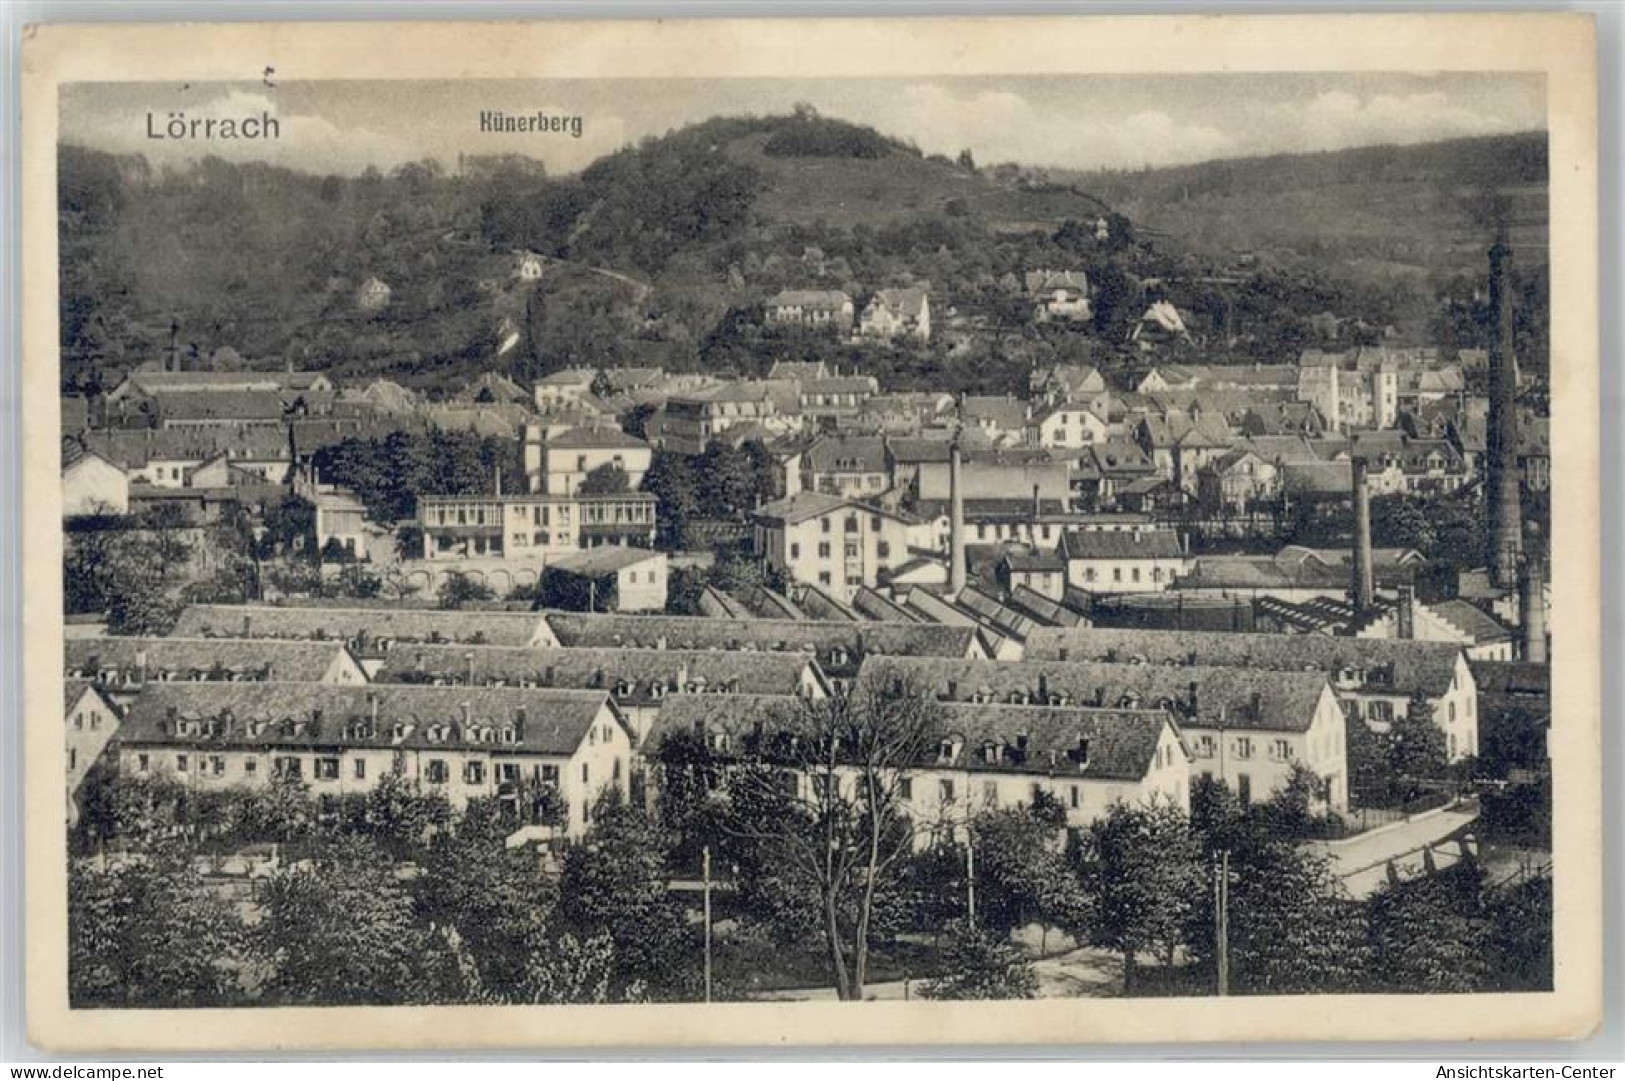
column 970, row 877
column 1221, row 918
column 705, row 865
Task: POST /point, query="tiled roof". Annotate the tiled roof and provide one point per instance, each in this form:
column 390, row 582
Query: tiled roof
column 1026, row 740
column 314, row 715
column 1472, row 620
column 581, row 630
column 302, row 662
column 1239, row 698
column 594, row 437
column 1120, row 544
column 847, row 454
column 348, row 624
column 134, row 448
column 629, row 673
column 1047, row 612
column 1404, row 667
column 596, row 562
column 808, row 298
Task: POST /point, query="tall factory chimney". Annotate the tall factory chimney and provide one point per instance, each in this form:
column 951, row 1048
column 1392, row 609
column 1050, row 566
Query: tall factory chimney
column 957, row 572
column 1532, row 611
column 1501, row 443
column 1365, row 586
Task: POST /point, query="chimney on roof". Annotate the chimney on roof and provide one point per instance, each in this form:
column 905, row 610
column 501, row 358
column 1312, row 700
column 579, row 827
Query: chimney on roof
column 521, row 715
column 957, row 572
column 1194, row 699
column 372, row 708
column 1501, row 442
column 1406, row 613
column 1364, row 575
column 1532, row 611
column 1038, row 504
column 1257, row 705
column 172, row 718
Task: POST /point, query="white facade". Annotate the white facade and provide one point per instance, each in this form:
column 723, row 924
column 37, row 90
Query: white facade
column 1256, row 762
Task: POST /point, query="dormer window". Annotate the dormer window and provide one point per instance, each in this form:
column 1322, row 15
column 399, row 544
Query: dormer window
column 945, row 751
column 623, row 687
column 657, row 690
column 990, row 753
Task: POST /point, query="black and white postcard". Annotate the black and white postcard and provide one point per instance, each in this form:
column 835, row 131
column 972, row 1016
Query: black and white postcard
column 820, row 532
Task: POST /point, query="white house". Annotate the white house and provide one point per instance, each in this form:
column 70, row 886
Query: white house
column 1115, row 561
column 621, row 579
column 558, row 463
column 507, row 743
column 897, row 313
column 836, row 542
column 92, row 485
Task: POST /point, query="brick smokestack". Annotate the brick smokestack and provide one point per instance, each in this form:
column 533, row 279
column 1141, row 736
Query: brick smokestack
column 1364, row 575
column 1506, row 511
column 1532, row 611
column 957, row 571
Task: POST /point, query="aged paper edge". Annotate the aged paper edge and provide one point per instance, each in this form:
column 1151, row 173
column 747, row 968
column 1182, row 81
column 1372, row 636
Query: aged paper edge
column 1560, row 45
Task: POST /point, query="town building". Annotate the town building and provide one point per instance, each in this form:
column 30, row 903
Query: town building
column 1374, row 678
column 91, row 484
column 1358, row 389
column 90, row 721
column 857, row 466
column 533, row 525
column 1059, row 295
column 983, row 757
column 505, row 743
column 369, row 632
column 1113, row 561
column 811, row 309
column 690, row 421
column 614, row 579
column 638, row 680
column 836, row 542
column 1245, row 727
column 558, row 462
column 897, row 313
column 120, row 666
column 563, row 388
column 1067, row 426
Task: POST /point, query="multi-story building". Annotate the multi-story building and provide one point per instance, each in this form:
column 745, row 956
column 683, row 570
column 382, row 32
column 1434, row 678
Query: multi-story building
column 1351, row 390
column 982, row 757
column 369, row 632
column 90, row 721
column 1067, row 426
column 1374, row 678
column 506, row 743
column 836, row 542
column 557, row 463
column 120, row 667
column 1246, row 727
column 1116, row 561
column 638, row 680
column 897, row 313
column 847, row 465
column 533, row 525
column 690, row 421
column 812, row 309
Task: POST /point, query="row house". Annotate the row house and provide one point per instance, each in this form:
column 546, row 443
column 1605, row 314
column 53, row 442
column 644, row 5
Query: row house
column 980, row 757
column 836, row 542
column 1247, row 728
column 638, row 680
column 1375, row 679
column 120, row 667
column 533, row 526
column 369, row 632
column 838, row 646
column 503, row 743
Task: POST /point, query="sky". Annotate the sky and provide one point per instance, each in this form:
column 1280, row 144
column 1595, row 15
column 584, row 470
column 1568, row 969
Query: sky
column 1070, row 121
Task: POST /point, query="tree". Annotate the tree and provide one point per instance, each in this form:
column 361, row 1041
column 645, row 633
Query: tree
column 1143, row 872
column 820, row 795
column 340, row 929
column 614, row 883
column 982, row 966
column 166, row 527
column 1417, row 749
column 607, row 479
column 1431, row 934
column 458, row 589
column 140, row 605
column 1021, row 874
column 671, row 481
column 147, row 932
column 496, row 899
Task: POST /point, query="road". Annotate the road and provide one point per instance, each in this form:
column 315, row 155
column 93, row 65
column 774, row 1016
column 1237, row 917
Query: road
column 1362, row 861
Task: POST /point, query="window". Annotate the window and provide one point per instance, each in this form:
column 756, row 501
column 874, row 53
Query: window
column 141, row 763
column 79, row 721
column 823, row 524
column 180, row 763
column 437, row 771
column 583, row 773
column 550, row 775
column 883, row 549
column 1282, row 750
column 1117, row 574
column 851, row 523
column 823, row 578
column 905, row 788
column 327, row 769
column 795, row 551
column 945, row 790
column 1136, row 574
column 990, row 793
column 1244, row 789
column 73, row 757
column 1075, row 797
column 473, row 772
column 217, row 765
column 853, row 550
column 1244, row 747
column 360, row 769
column 251, row 766
column 1089, row 574
column 823, row 549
